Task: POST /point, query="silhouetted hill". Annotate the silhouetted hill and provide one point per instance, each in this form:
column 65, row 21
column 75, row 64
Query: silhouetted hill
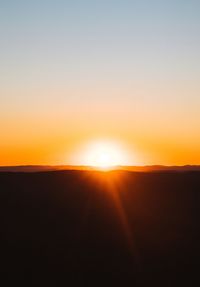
column 90, row 228
column 147, row 168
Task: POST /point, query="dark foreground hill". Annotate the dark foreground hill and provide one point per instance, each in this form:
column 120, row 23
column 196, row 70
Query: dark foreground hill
column 87, row 228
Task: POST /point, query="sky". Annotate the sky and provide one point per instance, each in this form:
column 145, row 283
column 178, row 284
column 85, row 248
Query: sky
column 75, row 71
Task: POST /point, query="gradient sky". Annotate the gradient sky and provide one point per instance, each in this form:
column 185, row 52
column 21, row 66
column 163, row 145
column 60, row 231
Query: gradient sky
column 74, row 71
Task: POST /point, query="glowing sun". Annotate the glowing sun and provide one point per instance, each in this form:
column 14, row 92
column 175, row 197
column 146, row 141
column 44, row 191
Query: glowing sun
column 104, row 155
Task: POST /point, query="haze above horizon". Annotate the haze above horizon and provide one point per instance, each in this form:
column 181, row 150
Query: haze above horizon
column 76, row 71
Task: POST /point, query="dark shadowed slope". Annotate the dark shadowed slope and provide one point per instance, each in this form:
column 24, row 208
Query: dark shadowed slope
column 87, row 228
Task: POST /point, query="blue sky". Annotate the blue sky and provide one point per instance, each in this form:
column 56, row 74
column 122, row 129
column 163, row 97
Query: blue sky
column 70, row 59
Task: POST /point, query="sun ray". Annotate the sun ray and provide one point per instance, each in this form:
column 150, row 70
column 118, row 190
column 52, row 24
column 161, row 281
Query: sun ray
column 112, row 183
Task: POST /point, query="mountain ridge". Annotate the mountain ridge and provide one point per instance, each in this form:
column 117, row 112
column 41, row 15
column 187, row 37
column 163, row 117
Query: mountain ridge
column 145, row 168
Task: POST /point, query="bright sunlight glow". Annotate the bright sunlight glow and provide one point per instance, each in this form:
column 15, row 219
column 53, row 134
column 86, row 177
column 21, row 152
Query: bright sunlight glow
column 104, row 155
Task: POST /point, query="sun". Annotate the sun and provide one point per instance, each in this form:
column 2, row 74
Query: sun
column 104, row 155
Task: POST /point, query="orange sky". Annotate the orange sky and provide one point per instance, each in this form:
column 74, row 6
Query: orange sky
column 124, row 71
column 42, row 139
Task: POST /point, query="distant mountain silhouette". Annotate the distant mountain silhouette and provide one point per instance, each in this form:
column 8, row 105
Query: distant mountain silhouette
column 147, row 168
